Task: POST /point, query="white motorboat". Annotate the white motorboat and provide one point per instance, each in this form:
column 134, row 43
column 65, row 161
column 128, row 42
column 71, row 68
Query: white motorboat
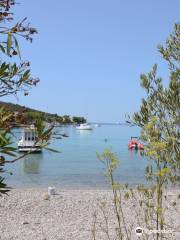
column 84, row 126
column 28, row 141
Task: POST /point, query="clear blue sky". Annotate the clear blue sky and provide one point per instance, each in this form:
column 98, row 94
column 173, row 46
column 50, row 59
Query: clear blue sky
column 89, row 53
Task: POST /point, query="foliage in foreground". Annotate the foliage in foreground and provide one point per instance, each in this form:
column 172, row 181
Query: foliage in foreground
column 134, row 208
column 159, row 120
column 14, row 77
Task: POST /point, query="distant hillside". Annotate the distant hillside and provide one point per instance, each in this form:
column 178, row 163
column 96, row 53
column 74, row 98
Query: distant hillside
column 16, row 107
column 31, row 114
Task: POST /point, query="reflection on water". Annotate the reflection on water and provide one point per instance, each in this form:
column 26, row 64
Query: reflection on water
column 32, row 163
column 135, row 153
column 84, row 132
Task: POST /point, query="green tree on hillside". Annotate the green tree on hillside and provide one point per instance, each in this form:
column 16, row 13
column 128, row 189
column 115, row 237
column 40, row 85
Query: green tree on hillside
column 31, row 117
column 79, row 120
column 66, row 119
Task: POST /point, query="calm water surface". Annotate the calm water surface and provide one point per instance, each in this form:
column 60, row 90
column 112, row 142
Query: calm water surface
column 77, row 164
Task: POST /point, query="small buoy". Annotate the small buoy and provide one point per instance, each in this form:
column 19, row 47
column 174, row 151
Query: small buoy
column 51, row 191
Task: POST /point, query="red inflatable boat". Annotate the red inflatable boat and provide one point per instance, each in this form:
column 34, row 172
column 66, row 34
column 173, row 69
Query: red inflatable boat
column 135, row 144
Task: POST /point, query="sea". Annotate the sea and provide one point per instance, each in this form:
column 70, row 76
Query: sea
column 77, row 165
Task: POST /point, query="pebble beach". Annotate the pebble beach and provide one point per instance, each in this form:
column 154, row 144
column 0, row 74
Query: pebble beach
column 27, row 214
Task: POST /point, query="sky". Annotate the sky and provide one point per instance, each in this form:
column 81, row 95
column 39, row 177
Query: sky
column 89, row 54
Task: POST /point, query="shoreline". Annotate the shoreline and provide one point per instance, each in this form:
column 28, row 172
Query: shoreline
column 65, row 187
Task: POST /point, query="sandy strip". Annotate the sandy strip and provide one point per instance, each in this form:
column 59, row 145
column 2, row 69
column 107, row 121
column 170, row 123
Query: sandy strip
column 26, row 214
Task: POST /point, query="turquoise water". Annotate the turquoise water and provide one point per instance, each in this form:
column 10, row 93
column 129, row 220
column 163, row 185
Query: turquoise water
column 77, row 164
